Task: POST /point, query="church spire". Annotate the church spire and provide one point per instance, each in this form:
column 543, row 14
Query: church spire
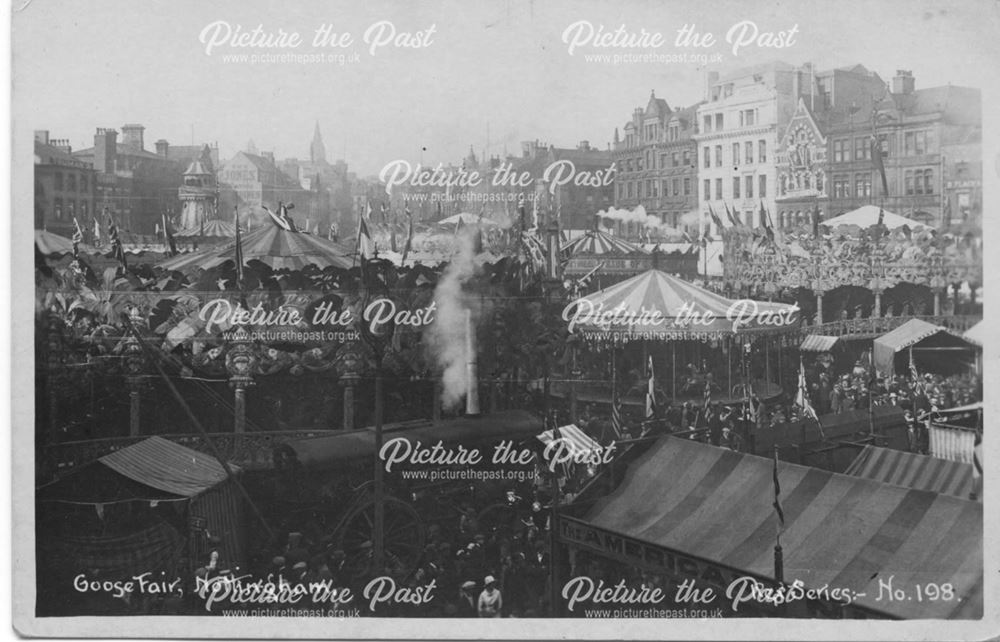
column 317, row 150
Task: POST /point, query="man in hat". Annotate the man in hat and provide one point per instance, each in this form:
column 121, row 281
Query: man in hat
column 467, row 604
column 490, row 600
column 836, row 399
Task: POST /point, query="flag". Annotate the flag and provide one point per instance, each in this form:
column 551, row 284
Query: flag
column 409, row 234
column 977, row 467
column 77, row 235
column 715, row 217
column 521, row 212
column 239, row 249
column 382, row 212
column 881, row 217
column 275, row 218
column 584, row 281
column 802, row 395
column 366, row 213
column 650, row 389
column 97, row 231
column 392, row 234
column 366, row 247
column 729, row 215
column 777, row 495
column 168, row 237
column 765, row 223
column 118, row 252
column 879, row 164
column 913, row 367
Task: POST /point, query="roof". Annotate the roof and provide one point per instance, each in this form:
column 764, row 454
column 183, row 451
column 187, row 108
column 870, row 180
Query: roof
column 657, row 303
column 196, row 169
column 911, row 332
column 840, row 531
column 597, row 242
column 910, row 470
column 977, row 334
column 51, row 155
column 818, row 343
column 868, row 215
column 577, row 440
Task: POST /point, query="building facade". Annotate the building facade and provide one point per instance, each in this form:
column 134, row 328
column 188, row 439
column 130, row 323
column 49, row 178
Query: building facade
column 65, row 187
column 657, row 165
column 248, row 182
column 745, row 114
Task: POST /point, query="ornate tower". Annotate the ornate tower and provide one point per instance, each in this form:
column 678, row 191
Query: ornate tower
column 198, row 195
column 317, row 150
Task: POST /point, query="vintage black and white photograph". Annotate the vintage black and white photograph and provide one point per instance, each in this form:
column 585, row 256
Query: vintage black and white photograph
column 652, row 318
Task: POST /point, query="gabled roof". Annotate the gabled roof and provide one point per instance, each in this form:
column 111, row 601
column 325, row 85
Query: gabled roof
column 657, row 106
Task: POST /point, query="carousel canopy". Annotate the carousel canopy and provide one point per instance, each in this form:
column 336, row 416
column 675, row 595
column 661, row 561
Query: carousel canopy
column 214, row 227
column 661, row 306
column 867, row 215
column 278, row 248
column 597, row 242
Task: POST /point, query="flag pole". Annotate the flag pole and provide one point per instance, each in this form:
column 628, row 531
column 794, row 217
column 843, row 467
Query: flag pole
column 779, row 561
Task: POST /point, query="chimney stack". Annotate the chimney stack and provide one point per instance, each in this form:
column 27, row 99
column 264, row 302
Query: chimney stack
column 132, row 136
column 903, row 82
column 472, row 367
column 105, row 150
column 161, row 147
column 42, row 136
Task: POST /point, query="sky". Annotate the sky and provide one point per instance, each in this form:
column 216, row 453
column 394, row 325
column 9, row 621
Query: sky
column 485, row 74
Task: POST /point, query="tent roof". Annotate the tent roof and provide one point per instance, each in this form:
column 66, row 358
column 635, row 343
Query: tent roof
column 598, row 242
column 152, row 469
column 272, row 245
column 977, row 333
column 665, row 305
column 818, row 343
column 867, row 215
column 911, row 332
column 50, row 243
column 466, row 219
column 842, row 531
column 214, row 227
column 910, row 470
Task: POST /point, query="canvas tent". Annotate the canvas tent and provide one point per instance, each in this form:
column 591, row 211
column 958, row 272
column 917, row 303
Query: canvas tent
column 920, row 337
column 714, row 506
column 911, row 470
column 867, row 215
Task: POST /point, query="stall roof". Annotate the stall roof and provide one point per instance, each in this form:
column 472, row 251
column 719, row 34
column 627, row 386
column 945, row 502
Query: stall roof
column 153, row 469
column 977, row 333
column 910, row 470
column 818, row 343
column 909, row 334
column 842, row 531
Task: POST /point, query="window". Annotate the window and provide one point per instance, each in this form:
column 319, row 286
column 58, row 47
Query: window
column 748, row 151
column 639, row 192
column 687, row 187
column 915, row 143
column 841, row 187
column 749, row 183
column 673, row 133
column 718, row 155
column 59, row 181
column 708, row 157
column 71, row 182
column 762, row 186
column 677, row 186
column 687, row 157
column 736, row 187
column 862, row 150
column 748, row 117
column 718, row 122
column 652, row 187
column 83, row 183
column 883, row 140
column 928, row 181
column 718, row 189
column 664, row 187
column 708, row 124
column 70, row 208
column 663, row 161
column 839, row 151
column 706, row 189
column 674, row 160
column 638, row 164
column 762, row 150
column 863, row 184
column 736, row 153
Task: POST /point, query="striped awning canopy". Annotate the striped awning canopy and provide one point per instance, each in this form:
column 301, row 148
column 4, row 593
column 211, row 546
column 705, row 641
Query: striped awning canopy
column 600, row 243
column 977, row 334
column 841, row 531
column 818, row 343
column 576, row 440
column 657, row 305
column 910, row 470
column 279, row 248
column 215, row 227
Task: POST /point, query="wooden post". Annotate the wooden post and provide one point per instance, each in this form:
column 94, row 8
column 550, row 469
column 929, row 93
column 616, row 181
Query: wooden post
column 240, row 409
column 133, row 411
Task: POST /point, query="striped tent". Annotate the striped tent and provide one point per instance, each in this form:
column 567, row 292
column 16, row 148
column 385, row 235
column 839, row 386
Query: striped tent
column 49, row 243
column 281, row 249
column 840, row 531
column 213, row 228
column 910, row 470
column 599, row 243
column 657, row 305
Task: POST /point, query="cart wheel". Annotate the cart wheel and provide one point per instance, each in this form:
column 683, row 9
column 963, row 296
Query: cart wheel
column 404, row 537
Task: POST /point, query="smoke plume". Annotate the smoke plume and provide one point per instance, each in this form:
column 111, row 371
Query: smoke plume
column 445, row 338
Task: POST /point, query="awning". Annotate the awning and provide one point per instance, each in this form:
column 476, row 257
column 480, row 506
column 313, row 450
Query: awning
column 909, row 334
column 977, row 334
column 841, row 531
column 577, row 440
column 818, row 343
column 155, row 469
column 910, row 470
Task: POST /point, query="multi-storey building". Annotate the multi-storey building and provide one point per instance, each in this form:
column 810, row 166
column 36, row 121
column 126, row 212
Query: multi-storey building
column 64, row 187
column 739, row 126
column 656, row 163
column 249, row 181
